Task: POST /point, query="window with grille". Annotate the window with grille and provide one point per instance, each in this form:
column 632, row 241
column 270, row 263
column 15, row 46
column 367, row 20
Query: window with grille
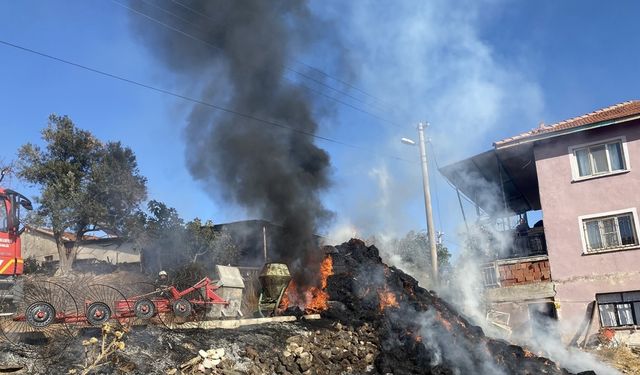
column 599, row 159
column 490, row 276
column 609, row 232
column 619, row 309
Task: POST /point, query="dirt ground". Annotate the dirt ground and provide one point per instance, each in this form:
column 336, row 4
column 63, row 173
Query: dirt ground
column 623, row 358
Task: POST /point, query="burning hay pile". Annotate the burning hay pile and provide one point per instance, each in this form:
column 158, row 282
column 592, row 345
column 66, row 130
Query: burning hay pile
column 418, row 332
column 375, row 320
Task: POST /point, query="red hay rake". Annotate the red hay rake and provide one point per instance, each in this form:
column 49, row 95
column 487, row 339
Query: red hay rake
column 46, row 316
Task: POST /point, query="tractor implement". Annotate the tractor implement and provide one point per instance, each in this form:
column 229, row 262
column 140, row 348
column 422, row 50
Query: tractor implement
column 47, row 315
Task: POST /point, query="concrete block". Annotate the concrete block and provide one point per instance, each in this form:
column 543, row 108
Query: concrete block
column 520, row 292
column 233, row 323
column 311, row 317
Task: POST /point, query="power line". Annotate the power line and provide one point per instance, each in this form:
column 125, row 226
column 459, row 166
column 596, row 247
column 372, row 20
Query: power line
column 351, row 86
column 348, row 105
column 308, row 66
column 194, row 100
column 153, row 19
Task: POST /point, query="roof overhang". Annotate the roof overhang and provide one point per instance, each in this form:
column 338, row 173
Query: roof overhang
column 559, row 133
column 500, row 182
column 504, row 180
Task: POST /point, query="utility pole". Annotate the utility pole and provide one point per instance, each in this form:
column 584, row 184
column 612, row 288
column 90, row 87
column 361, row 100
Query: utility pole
column 427, row 204
column 264, row 242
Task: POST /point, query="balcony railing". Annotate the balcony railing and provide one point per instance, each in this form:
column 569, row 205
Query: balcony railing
column 527, row 244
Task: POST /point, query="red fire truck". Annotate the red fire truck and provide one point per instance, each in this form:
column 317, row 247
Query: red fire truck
column 11, row 262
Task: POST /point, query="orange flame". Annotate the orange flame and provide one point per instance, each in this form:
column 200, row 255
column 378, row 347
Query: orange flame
column 445, row 323
column 314, row 299
column 416, row 337
column 387, row 299
column 317, row 300
column 284, row 302
column 326, row 270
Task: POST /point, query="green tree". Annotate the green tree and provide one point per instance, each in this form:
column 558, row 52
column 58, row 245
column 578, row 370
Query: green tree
column 159, row 234
column 208, row 245
column 156, row 226
column 411, row 254
column 171, row 244
column 414, row 246
column 6, row 170
column 85, row 185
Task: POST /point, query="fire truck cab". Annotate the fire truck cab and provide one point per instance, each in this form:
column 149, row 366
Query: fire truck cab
column 11, row 262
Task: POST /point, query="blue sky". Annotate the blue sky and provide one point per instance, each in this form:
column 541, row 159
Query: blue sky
column 478, row 71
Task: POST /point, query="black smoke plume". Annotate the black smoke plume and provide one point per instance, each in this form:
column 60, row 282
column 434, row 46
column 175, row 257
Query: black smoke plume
column 237, row 54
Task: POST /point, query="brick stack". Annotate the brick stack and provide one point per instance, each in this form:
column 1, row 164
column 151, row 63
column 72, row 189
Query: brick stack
column 524, row 272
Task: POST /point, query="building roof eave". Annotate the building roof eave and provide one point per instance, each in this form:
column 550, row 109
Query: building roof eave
column 500, row 145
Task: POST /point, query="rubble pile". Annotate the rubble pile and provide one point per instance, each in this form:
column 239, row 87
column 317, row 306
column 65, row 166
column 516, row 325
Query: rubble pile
column 322, row 352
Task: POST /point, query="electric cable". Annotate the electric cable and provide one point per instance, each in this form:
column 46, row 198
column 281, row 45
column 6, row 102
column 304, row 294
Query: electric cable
column 153, row 19
column 308, row 66
column 197, row 101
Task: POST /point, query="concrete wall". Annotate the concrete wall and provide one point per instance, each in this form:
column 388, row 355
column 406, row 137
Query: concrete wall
column 578, row 276
column 520, row 293
column 40, row 246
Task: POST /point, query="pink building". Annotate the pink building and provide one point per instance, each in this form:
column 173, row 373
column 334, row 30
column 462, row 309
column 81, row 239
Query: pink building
column 579, row 173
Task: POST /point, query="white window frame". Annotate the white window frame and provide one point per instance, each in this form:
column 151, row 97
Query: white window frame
column 616, row 305
column 575, row 172
column 634, row 213
column 487, row 270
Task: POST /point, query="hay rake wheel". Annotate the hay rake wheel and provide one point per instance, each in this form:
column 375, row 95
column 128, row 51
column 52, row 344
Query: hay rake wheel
column 106, row 304
column 183, row 313
column 36, row 326
column 142, row 308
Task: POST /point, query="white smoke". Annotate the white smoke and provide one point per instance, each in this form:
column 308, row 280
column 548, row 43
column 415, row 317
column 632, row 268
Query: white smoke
column 429, row 61
column 425, row 61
